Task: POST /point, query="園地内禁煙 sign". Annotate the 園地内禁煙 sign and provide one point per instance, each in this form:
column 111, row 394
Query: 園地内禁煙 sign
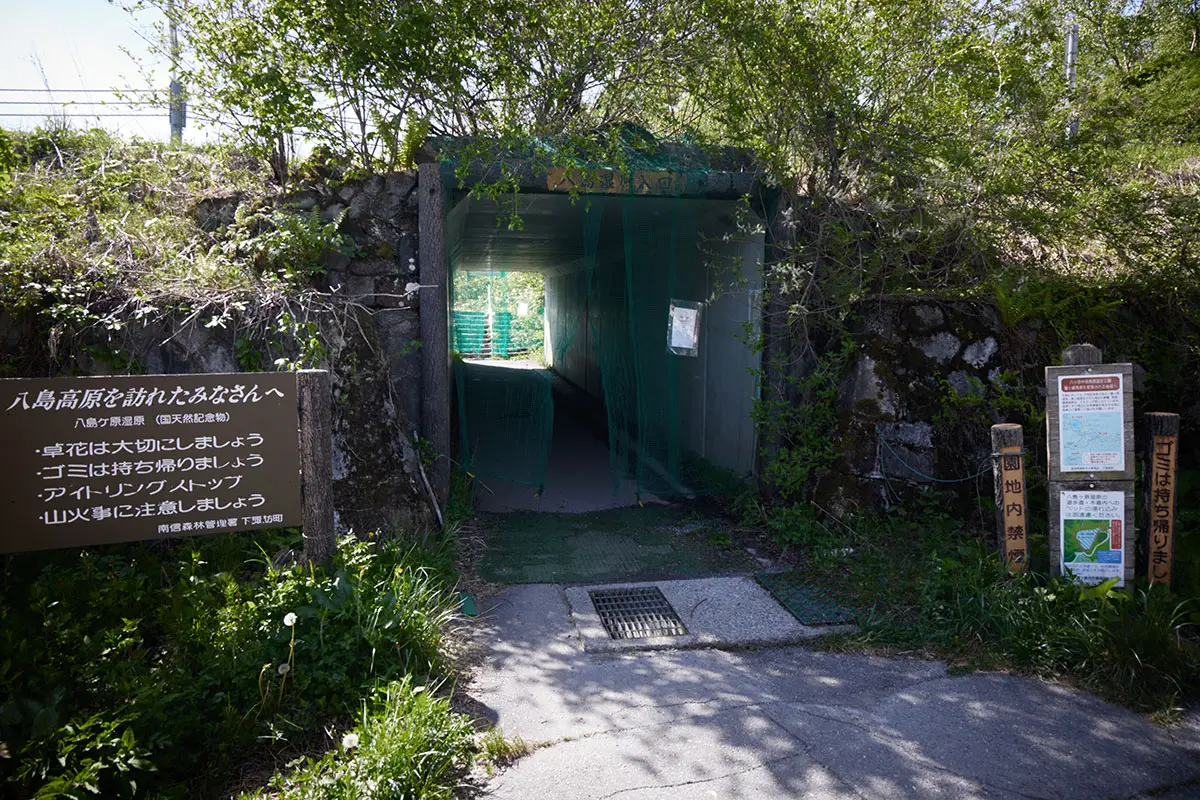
column 1091, row 422
column 120, row 458
column 1092, row 535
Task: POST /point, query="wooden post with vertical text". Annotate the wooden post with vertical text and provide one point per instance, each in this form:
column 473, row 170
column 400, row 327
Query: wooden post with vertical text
column 1159, row 496
column 1012, row 512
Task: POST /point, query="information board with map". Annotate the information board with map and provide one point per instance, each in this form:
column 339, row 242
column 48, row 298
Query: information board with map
column 1092, row 531
column 1091, row 420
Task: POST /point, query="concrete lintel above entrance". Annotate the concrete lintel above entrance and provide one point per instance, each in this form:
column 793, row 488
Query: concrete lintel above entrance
column 714, row 185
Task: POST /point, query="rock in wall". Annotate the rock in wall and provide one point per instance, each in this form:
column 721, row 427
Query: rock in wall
column 918, row 396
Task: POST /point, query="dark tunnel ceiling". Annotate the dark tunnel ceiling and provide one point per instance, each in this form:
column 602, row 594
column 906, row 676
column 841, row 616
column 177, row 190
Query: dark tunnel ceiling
column 550, row 237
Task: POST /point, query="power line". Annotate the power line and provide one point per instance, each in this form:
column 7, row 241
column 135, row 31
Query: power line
column 82, row 103
column 81, row 91
column 57, row 115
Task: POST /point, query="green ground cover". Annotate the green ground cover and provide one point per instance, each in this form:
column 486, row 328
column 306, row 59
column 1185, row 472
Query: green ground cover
column 623, row 544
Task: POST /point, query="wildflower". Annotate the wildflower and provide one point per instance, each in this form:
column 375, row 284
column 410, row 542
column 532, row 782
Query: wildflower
column 350, row 741
column 284, row 669
column 290, row 619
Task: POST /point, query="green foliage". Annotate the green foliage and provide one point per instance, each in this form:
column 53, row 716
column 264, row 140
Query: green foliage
column 367, row 80
column 502, row 295
column 99, row 231
column 803, row 420
column 1187, row 536
column 287, row 244
column 307, row 338
column 96, row 756
column 408, row 744
column 798, row 526
column 200, row 654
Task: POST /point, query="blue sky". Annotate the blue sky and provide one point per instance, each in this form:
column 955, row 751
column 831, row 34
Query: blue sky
column 78, row 45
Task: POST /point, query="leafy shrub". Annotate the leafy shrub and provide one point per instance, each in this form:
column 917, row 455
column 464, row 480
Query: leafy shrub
column 200, row 653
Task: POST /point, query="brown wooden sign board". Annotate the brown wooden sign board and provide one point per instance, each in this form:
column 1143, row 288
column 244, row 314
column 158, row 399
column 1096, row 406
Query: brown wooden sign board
column 1160, row 494
column 608, row 181
column 107, row 459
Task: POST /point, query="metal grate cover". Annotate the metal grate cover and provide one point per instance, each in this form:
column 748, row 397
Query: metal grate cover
column 636, row 613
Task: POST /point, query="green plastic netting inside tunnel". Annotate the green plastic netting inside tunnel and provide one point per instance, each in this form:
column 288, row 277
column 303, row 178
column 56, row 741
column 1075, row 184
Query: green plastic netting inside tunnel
column 611, row 265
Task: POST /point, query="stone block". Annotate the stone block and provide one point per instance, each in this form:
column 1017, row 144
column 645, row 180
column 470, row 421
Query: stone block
column 335, row 261
column 373, row 267
column 965, row 384
column 359, row 286
column 906, row 451
column 941, row 347
column 213, row 213
column 927, row 318
column 980, row 354
column 393, row 293
column 864, row 385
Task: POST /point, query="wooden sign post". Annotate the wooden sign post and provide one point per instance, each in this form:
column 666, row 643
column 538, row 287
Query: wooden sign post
column 1090, row 461
column 1012, row 512
column 1159, row 495
column 315, row 392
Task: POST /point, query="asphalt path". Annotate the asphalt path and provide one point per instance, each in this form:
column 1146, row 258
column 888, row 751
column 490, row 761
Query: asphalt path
column 784, row 721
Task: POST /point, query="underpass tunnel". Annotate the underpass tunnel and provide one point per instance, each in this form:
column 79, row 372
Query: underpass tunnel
column 625, row 395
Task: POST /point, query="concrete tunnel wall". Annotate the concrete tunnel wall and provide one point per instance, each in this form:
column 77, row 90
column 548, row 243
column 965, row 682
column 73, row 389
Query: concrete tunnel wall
column 717, row 388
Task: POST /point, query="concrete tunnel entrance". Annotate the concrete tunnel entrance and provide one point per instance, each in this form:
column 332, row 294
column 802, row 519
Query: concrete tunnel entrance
column 580, row 405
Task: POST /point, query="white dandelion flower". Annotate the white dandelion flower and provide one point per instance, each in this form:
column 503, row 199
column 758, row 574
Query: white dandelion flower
column 350, row 741
column 290, row 619
column 284, row 669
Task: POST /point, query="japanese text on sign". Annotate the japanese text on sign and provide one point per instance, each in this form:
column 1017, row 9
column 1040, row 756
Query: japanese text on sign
column 1091, row 420
column 1013, row 510
column 109, row 459
column 1162, row 508
column 1092, row 531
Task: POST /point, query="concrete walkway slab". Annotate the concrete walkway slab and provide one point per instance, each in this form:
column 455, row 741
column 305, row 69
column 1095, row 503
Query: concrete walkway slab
column 717, row 612
column 788, row 722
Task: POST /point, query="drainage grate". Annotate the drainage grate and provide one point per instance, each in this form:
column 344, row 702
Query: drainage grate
column 636, row 613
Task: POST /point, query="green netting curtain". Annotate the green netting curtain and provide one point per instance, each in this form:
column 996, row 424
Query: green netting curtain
column 629, row 272
column 505, row 414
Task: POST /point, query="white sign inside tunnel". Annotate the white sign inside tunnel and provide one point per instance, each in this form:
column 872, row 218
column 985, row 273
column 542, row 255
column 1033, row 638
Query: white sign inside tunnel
column 683, row 330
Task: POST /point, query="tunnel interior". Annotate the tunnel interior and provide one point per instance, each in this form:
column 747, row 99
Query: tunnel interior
column 598, row 412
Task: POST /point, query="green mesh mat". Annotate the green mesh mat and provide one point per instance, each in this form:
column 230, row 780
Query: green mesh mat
column 506, row 421
column 624, row 544
column 808, row 603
